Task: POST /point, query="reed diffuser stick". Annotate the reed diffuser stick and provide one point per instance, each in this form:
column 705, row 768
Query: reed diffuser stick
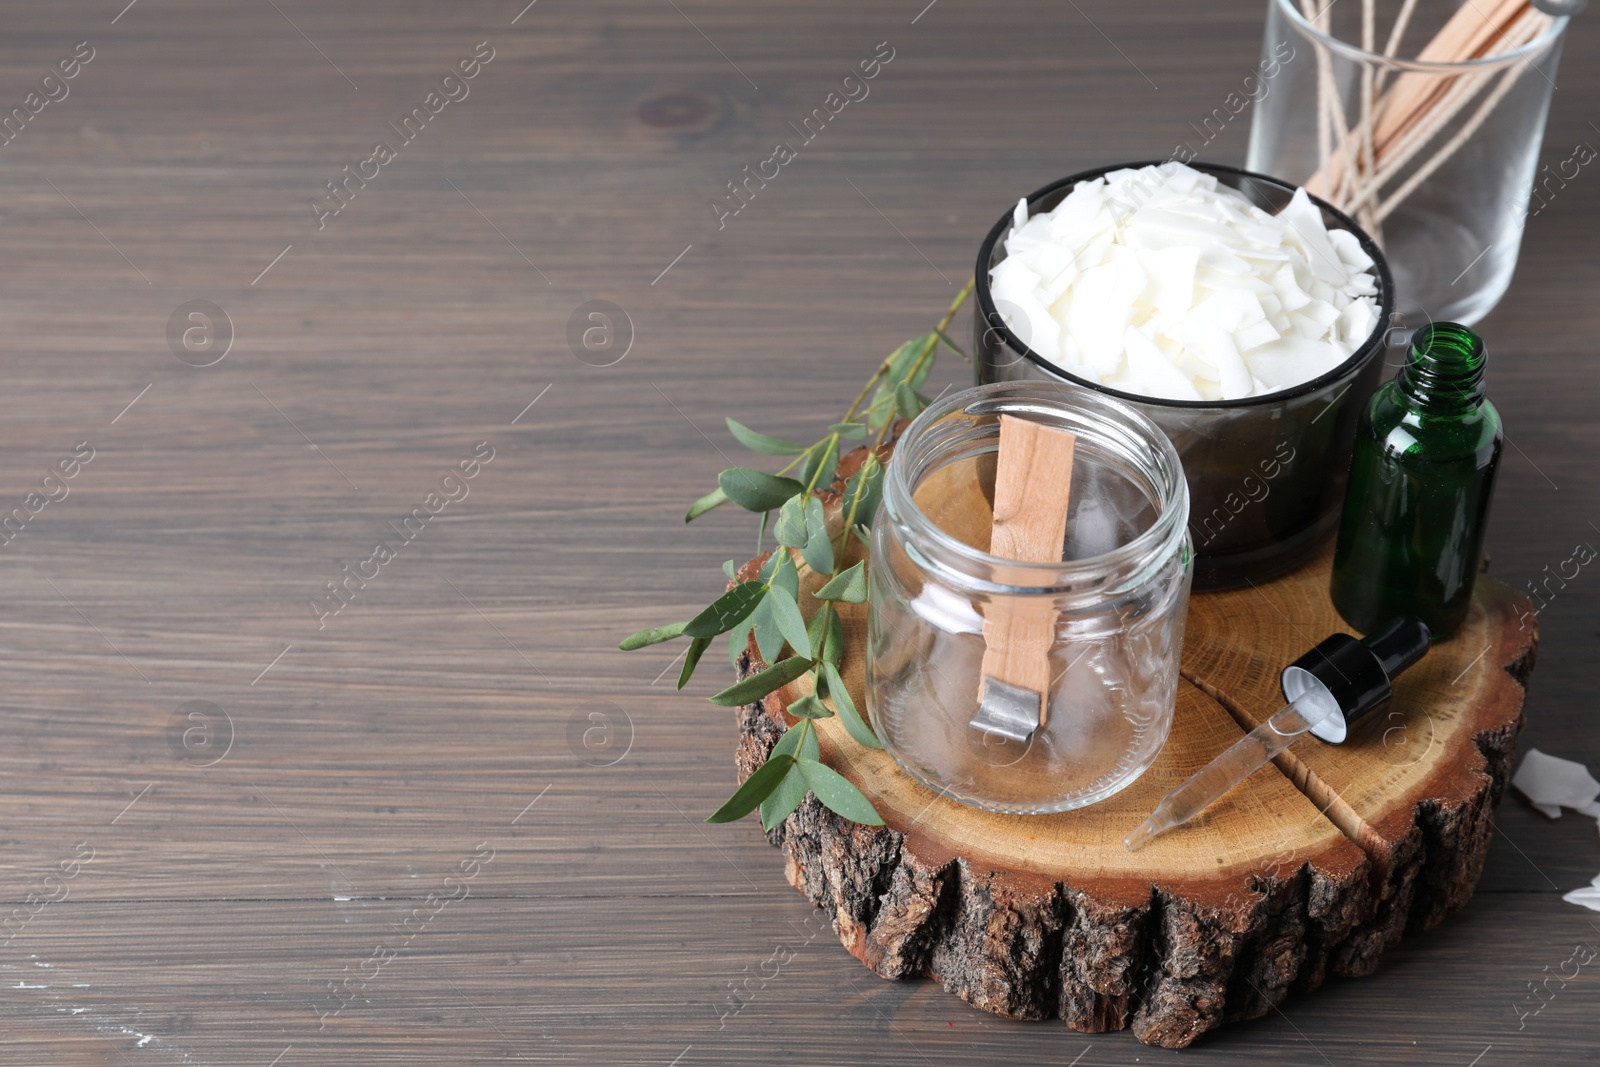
column 1400, row 117
column 1428, row 125
column 1508, row 78
column 1369, row 34
column 1401, row 21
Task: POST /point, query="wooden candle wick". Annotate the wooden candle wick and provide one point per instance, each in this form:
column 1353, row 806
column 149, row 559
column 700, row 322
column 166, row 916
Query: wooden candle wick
column 1033, row 484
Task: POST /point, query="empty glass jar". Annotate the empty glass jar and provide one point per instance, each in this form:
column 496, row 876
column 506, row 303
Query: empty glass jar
column 1118, row 597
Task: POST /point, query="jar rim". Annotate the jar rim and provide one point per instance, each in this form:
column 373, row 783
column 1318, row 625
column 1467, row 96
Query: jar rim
column 1126, row 565
column 1558, row 25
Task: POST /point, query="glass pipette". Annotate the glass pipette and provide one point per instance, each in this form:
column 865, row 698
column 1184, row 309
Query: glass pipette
column 1207, row 785
column 1328, row 688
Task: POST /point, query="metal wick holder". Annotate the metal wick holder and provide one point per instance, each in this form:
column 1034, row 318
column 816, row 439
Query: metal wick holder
column 1008, row 711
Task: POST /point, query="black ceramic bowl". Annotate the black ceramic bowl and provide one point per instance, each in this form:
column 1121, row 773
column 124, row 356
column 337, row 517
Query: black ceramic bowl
column 1266, row 474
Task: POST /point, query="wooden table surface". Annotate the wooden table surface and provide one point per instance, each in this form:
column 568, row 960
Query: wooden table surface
column 218, row 801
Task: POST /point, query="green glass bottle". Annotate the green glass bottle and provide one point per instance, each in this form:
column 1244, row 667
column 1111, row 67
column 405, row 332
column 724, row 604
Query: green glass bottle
column 1421, row 475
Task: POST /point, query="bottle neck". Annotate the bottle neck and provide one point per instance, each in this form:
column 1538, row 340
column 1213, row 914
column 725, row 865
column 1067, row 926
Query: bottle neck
column 1444, row 370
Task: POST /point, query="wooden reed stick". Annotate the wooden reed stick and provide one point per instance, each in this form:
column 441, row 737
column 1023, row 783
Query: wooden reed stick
column 1468, row 31
column 1401, row 21
column 1470, row 35
column 1450, row 147
column 1398, row 119
column 1369, row 34
column 1397, row 155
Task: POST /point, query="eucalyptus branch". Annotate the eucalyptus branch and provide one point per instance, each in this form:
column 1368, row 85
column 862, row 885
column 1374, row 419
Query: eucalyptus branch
column 765, row 610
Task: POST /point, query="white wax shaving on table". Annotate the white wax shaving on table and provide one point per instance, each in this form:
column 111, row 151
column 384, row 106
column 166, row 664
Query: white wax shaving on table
column 1551, row 783
column 1588, row 896
column 1162, row 282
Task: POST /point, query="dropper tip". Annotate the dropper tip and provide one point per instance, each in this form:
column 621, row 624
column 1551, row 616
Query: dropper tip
column 1140, row 837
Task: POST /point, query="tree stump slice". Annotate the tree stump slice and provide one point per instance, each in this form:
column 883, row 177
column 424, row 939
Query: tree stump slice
column 1312, row 866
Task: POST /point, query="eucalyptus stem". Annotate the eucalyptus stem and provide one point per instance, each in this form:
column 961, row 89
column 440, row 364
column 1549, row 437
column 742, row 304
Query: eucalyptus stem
column 877, row 376
column 828, row 443
column 927, row 351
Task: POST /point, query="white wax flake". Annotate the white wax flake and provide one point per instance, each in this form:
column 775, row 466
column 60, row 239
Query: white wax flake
column 1551, row 783
column 1151, row 367
column 1161, row 281
column 1588, row 896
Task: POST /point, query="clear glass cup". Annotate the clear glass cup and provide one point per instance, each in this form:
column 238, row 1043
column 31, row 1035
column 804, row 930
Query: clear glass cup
column 1119, row 599
column 1436, row 160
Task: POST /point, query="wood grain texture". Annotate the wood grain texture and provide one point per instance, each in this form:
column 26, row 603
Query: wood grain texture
column 379, row 751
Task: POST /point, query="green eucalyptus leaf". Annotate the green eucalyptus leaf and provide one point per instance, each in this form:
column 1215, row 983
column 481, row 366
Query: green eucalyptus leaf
column 836, row 793
column 833, row 645
column 901, row 359
column 906, row 402
column 850, row 431
column 652, row 637
column 714, row 499
column 697, row 648
column 810, row 708
column 756, row 490
column 757, row 686
column 786, row 613
column 788, row 575
column 917, row 380
column 951, row 345
column 725, row 612
column 754, row 790
column 848, row 585
column 845, row 706
column 789, row 794
column 769, row 638
column 900, row 363
column 818, row 549
column 817, row 628
column 739, row 640
column 798, row 740
column 730, row 568
column 867, row 484
column 760, row 442
column 791, row 529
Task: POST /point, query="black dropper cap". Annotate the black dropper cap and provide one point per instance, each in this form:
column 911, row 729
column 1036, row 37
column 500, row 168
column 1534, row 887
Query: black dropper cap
column 1357, row 675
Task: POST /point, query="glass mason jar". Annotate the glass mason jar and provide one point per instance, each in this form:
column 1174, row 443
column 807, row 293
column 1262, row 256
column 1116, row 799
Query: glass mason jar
column 1119, row 599
column 1435, row 159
